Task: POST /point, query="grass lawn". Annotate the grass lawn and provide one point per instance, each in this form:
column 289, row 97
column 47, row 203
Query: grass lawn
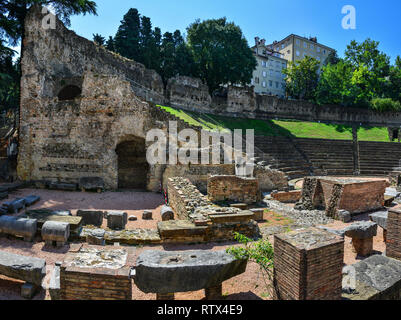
column 296, row 129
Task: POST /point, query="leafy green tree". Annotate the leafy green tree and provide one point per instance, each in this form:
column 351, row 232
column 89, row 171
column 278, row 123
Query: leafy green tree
column 367, row 56
column 334, row 85
column 332, row 58
column 394, row 86
column 9, row 79
column 13, row 14
column 221, row 53
column 100, row 40
column 110, row 44
column 168, row 57
column 128, row 36
column 302, row 78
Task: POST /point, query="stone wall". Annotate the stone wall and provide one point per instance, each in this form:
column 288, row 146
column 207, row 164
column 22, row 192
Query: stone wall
column 184, row 197
column 79, row 103
column 233, row 188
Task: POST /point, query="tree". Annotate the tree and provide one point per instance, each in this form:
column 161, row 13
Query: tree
column 100, row 40
column 110, row 44
column 13, row 14
column 394, row 85
column 332, row 58
column 302, row 78
column 9, row 79
column 127, row 39
column 221, row 53
column 366, row 55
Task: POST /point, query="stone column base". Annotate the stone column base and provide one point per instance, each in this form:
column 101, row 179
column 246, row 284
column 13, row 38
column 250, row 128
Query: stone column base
column 165, row 296
column 363, row 247
column 214, row 293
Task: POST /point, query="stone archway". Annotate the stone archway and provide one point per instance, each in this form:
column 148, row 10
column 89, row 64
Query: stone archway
column 132, row 165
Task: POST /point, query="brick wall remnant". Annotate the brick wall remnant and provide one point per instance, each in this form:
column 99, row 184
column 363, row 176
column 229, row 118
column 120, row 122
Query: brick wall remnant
column 233, row 188
column 96, row 273
column 308, row 265
column 393, row 241
column 355, row 195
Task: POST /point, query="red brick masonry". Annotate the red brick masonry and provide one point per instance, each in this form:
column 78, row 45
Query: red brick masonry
column 308, row 265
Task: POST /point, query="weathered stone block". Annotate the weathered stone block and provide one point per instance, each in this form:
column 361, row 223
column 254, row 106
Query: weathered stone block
column 361, row 230
column 91, row 184
column 18, row 227
column 288, row 197
column 116, row 220
column 147, row 215
column 54, row 231
column 29, row 269
column 167, row 213
column 93, row 218
column 377, row 278
column 258, row 214
column 167, row 272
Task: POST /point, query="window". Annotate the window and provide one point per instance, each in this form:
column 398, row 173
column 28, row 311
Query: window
column 324, row 51
column 264, row 74
column 252, row 82
column 289, row 52
column 276, row 84
column 298, row 53
column 312, row 47
column 270, row 83
column 318, row 49
column 305, row 45
column 277, row 48
column 298, row 42
column 256, row 80
column 264, row 84
column 282, row 46
column 263, row 63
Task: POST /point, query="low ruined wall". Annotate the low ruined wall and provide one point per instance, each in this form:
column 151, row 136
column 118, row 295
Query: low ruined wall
column 184, row 197
column 233, row 188
column 197, row 174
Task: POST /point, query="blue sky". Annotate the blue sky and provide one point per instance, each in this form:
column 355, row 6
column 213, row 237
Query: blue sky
column 269, row 19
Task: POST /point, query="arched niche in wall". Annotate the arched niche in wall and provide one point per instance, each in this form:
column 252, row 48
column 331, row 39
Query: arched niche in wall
column 69, row 92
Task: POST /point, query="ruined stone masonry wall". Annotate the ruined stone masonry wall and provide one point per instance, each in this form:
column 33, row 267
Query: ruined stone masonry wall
column 184, row 197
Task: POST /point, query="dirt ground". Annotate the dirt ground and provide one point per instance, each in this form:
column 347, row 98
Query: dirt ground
column 248, row 286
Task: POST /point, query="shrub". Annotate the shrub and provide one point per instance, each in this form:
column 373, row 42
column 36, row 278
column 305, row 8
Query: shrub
column 385, row 104
column 260, row 252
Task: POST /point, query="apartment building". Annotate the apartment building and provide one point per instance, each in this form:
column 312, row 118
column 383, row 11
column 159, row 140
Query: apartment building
column 295, row 48
column 268, row 77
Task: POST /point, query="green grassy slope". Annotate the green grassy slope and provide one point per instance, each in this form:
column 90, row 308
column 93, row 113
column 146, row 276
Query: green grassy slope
column 297, row 129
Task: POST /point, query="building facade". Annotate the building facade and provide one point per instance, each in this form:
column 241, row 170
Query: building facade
column 268, row 77
column 295, row 48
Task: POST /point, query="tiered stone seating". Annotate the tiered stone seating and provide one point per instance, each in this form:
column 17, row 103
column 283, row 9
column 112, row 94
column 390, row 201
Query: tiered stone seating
column 379, row 158
column 281, row 153
column 328, row 157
